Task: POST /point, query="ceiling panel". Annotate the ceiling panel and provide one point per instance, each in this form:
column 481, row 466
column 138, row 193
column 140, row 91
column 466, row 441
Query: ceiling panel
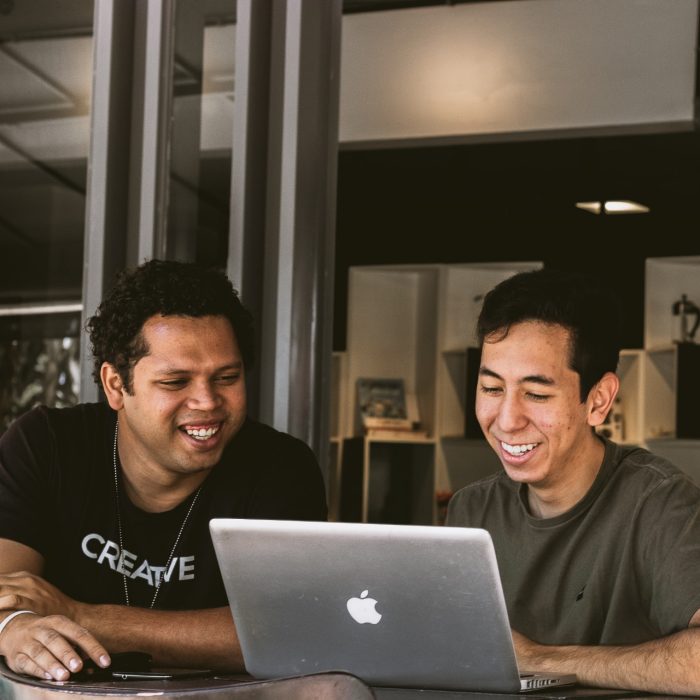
column 22, row 89
column 37, row 18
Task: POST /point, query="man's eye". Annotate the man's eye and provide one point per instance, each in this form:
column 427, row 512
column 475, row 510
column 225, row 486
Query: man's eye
column 492, row 390
column 537, row 397
column 173, row 383
column 228, row 378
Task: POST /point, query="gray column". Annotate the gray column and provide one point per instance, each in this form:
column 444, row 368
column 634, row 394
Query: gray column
column 108, row 172
column 183, row 171
column 281, row 252
column 303, row 306
column 245, row 263
column 152, row 108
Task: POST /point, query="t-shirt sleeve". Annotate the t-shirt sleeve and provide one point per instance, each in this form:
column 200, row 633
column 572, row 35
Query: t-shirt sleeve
column 671, row 552
column 26, row 453
column 292, row 487
column 458, row 510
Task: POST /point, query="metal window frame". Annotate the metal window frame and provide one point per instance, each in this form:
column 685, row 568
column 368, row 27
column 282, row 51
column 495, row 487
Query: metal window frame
column 282, row 227
column 282, row 237
column 108, row 165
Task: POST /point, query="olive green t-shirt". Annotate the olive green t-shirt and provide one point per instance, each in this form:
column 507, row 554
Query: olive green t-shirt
column 621, row 567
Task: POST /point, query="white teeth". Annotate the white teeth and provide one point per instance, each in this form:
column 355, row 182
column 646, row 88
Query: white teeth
column 202, row 433
column 518, row 449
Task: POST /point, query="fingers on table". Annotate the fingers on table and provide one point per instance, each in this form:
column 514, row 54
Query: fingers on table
column 50, row 648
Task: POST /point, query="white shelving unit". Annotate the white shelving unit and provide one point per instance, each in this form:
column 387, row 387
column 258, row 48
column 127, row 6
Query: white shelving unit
column 659, row 383
column 672, row 374
column 415, row 323
column 653, row 380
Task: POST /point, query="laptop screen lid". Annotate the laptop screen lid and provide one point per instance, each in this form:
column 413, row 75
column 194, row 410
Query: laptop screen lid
column 396, row 605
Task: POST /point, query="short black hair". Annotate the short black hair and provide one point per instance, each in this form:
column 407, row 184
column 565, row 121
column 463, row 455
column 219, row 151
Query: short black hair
column 578, row 302
column 162, row 288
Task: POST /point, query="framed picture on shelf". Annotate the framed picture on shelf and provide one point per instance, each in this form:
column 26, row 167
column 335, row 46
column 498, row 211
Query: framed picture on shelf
column 382, row 404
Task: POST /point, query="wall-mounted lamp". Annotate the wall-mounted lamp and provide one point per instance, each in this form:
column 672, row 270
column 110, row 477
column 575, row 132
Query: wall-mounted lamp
column 613, row 206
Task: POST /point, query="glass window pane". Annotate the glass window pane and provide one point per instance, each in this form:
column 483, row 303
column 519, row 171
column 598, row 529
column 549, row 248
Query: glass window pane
column 45, row 91
column 200, row 171
column 39, row 363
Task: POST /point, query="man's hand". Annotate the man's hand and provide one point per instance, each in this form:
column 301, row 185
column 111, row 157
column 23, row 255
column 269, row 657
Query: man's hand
column 669, row 665
column 26, row 591
column 49, row 647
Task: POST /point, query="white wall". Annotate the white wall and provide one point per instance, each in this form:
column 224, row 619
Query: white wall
column 516, row 66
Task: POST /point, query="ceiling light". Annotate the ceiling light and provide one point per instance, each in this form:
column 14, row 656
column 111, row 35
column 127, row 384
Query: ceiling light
column 593, row 207
column 613, row 206
column 625, row 206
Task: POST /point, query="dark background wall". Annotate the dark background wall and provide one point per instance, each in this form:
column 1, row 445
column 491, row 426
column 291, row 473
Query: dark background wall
column 515, row 202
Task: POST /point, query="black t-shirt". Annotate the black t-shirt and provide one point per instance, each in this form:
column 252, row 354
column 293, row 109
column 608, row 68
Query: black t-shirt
column 57, row 496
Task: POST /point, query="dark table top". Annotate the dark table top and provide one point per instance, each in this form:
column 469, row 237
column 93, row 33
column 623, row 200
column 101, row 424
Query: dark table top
column 334, row 686
column 330, row 686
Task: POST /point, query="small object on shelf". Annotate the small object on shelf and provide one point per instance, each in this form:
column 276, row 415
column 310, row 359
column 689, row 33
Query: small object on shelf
column 383, row 404
column 685, row 308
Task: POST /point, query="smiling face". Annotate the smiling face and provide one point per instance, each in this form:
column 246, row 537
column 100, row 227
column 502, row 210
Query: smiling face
column 187, row 399
column 529, row 408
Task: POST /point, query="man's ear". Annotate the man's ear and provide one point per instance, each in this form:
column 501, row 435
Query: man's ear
column 601, row 397
column 112, row 385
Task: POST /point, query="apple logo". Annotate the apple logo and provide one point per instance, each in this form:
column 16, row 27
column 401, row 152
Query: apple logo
column 362, row 609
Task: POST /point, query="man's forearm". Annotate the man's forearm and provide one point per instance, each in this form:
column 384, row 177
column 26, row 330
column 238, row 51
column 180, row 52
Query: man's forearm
column 667, row 665
column 197, row 638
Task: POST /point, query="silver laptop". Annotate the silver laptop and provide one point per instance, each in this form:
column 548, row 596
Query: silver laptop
column 395, row 605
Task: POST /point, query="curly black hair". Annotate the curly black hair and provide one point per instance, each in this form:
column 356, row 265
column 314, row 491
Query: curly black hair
column 165, row 288
column 580, row 303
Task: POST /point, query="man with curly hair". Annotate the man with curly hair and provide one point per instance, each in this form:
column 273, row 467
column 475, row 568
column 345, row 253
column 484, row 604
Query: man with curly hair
column 104, row 508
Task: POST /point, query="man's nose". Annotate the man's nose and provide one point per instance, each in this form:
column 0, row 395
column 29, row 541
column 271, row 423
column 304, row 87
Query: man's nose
column 511, row 414
column 204, row 396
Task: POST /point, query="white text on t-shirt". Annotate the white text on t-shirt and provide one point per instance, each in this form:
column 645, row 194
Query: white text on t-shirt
column 125, row 562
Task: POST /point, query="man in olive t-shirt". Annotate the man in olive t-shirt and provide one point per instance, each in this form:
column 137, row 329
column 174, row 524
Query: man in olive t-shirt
column 598, row 545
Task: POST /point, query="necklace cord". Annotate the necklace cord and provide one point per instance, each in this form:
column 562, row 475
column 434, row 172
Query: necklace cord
column 115, row 462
